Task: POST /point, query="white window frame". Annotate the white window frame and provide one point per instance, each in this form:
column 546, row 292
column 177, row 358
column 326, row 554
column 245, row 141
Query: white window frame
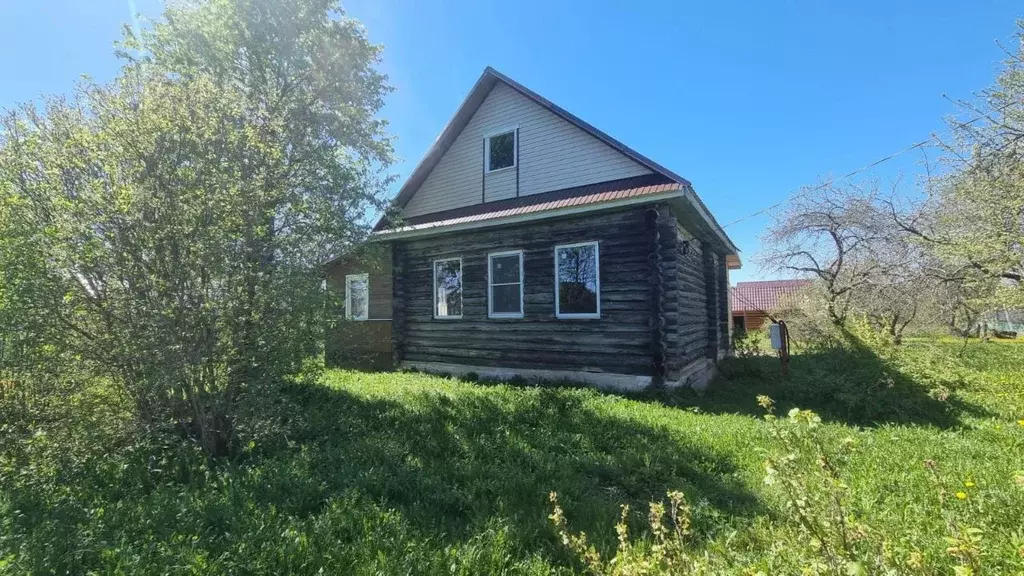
column 597, row 283
column 433, row 283
column 490, row 285
column 515, row 148
column 348, row 296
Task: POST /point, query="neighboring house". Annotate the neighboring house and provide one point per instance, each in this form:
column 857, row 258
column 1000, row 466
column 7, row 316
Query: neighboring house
column 1006, row 323
column 532, row 244
column 751, row 302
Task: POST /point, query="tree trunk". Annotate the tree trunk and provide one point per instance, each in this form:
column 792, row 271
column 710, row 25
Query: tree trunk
column 894, row 330
column 834, row 316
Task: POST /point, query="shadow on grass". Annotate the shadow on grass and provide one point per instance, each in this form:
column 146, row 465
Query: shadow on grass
column 852, row 385
column 452, row 464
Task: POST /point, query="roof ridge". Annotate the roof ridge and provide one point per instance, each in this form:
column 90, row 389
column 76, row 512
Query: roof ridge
column 784, row 280
column 763, row 295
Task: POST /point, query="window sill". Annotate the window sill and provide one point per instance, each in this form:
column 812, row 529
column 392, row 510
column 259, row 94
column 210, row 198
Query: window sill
column 500, row 169
column 510, row 316
column 448, row 317
column 578, row 316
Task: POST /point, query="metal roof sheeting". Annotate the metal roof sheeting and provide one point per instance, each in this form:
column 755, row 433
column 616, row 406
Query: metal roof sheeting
column 569, row 197
column 763, row 296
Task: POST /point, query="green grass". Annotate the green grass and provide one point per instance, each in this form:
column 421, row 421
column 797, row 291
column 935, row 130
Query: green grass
column 408, row 473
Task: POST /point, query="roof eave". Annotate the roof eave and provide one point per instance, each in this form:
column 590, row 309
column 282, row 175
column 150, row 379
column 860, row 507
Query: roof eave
column 451, row 130
column 712, row 224
column 422, row 230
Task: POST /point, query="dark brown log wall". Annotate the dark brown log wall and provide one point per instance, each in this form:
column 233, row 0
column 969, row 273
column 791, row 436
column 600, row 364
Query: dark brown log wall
column 692, row 298
column 670, row 246
column 714, row 308
column 618, row 342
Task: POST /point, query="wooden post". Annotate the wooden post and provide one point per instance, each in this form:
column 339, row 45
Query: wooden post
column 784, row 349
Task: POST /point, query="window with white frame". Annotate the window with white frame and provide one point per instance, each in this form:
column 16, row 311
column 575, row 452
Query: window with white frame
column 505, row 284
column 577, row 281
column 500, row 150
column 448, row 288
column 357, row 297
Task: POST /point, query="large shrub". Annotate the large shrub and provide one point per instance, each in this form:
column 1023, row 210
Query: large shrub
column 164, row 232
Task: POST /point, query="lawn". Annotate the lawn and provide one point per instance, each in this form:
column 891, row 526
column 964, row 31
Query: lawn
column 410, row 474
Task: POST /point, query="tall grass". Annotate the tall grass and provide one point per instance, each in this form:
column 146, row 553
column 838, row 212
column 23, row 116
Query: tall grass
column 407, row 473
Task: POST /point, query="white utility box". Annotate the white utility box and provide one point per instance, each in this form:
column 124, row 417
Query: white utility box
column 775, row 335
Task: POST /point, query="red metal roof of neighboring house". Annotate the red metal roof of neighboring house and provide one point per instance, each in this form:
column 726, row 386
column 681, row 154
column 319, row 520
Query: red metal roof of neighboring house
column 762, row 296
column 566, row 198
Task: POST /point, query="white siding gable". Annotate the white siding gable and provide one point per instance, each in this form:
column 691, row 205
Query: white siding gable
column 553, row 154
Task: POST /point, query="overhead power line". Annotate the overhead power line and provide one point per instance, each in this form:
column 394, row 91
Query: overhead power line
column 847, row 176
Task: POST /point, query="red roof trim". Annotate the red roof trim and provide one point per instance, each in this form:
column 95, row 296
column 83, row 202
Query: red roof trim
column 568, row 197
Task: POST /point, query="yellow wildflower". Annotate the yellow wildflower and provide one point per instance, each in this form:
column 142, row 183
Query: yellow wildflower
column 969, row 484
column 961, row 495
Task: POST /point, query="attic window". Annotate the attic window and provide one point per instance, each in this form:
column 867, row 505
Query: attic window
column 500, row 150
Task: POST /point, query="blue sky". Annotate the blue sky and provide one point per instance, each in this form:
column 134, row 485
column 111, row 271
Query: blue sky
column 748, row 100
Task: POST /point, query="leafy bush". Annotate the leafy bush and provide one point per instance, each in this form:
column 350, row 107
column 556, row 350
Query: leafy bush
column 748, row 344
column 666, row 554
column 165, row 232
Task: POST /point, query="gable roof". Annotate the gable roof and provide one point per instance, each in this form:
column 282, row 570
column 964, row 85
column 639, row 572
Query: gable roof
column 471, row 104
column 763, row 296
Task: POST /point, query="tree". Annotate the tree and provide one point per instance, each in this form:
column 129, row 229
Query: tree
column 178, row 217
column 832, row 234
column 973, row 219
column 896, row 297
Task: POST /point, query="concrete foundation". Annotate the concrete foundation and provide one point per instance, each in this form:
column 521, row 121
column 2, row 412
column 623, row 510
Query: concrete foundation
column 697, row 375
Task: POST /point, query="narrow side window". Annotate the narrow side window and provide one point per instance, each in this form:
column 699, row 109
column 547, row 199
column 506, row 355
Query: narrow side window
column 448, row 288
column 577, row 281
column 357, row 297
column 505, row 284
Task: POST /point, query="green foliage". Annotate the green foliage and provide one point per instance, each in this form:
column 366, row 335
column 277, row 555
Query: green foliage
column 164, row 233
column 807, row 470
column 975, row 221
column 807, row 475
column 665, row 554
column 750, row 344
column 862, row 378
